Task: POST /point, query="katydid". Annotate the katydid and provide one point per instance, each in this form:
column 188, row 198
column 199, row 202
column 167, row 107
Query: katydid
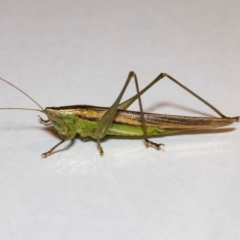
column 97, row 122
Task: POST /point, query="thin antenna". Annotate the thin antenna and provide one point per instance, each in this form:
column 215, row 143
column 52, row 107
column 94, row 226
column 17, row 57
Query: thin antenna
column 21, row 92
column 30, row 109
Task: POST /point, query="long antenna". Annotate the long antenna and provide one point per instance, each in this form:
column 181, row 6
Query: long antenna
column 23, row 93
column 30, row 109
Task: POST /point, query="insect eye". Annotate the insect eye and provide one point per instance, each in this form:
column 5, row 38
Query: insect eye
column 53, row 116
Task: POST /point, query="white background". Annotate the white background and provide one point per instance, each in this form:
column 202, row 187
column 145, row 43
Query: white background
column 80, row 52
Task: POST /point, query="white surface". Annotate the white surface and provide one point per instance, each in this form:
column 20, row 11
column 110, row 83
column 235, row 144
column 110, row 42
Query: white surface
column 76, row 52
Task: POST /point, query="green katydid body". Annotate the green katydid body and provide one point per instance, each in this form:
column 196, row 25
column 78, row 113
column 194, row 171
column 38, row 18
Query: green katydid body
column 83, row 119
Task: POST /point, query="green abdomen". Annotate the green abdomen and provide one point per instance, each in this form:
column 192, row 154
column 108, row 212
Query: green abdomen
column 133, row 130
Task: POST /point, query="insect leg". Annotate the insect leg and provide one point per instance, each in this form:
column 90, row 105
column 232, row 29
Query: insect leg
column 105, row 122
column 51, row 150
column 45, row 122
column 100, row 149
column 128, row 102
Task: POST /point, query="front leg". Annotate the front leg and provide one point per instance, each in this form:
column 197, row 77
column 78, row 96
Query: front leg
column 42, row 121
column 46, row 154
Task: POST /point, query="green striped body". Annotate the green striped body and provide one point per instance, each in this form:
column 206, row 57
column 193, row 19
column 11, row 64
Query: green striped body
column 83, row 119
